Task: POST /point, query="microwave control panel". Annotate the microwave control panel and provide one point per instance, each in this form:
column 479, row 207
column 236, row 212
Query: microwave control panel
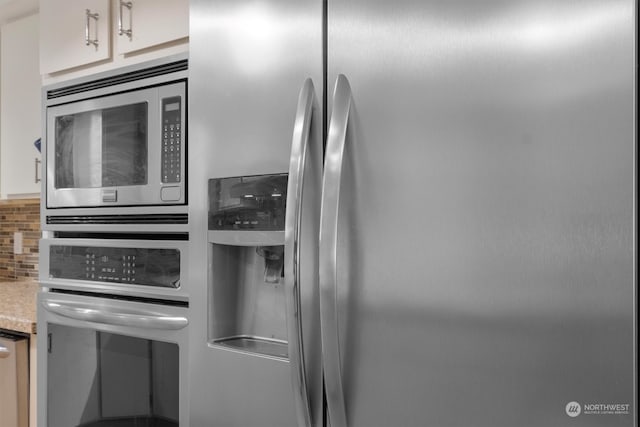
column 171, row 139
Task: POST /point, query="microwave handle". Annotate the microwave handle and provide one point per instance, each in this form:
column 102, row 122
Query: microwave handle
column 110, row 316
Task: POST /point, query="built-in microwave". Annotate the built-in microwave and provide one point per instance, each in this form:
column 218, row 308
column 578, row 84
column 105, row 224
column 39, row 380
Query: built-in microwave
column 117, row 140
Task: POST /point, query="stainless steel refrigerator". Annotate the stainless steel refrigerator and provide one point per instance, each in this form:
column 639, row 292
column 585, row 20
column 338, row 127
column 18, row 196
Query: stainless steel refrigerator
column 457, row 246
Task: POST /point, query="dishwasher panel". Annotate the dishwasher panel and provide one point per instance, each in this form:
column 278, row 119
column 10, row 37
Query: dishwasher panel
column 14, row 380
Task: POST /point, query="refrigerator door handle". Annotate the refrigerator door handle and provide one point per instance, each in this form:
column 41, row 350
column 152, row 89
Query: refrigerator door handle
column 300, row 150
column 101, row 314
column 331, row 183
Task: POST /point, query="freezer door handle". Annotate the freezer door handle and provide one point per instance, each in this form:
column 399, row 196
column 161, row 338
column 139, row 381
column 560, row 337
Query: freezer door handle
column 113, row 316
column 4, row 352
column 301, row 150
column 331, row 183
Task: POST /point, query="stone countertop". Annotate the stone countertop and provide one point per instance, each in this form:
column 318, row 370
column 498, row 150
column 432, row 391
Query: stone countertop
column 18, row 306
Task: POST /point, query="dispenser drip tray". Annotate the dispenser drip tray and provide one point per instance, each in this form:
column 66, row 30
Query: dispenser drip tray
column 260, row 345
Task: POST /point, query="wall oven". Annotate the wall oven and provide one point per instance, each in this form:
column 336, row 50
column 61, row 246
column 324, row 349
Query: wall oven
column 106, row 361
column 116, row 146
column 113, row 329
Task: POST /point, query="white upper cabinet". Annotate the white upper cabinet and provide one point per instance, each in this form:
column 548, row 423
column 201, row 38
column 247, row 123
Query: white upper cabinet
column 73, row 33
column 147, row 23
column 81, row 37
column 20, row 109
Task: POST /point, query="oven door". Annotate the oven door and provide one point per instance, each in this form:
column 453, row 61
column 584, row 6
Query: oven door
column 106, row 362
column 114, row 150
column 138, row 268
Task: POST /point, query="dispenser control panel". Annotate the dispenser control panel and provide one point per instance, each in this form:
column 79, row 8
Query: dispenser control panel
column 140, row 266
column 248, row 203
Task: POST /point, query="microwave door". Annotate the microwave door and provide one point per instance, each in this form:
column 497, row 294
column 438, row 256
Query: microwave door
column 104, row 147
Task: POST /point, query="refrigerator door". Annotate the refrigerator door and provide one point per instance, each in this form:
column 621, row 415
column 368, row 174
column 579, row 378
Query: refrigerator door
column 483, row 267
column 248, row 63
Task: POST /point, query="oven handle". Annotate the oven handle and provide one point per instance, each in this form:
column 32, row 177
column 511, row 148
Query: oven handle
column 100, row 314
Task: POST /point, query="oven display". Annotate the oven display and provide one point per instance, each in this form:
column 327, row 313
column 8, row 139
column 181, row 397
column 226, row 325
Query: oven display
column 136, row 266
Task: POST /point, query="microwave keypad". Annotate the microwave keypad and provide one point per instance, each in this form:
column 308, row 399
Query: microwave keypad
column 171, row 139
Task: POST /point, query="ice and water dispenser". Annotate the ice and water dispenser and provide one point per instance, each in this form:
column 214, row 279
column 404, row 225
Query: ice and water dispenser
column 247, row 309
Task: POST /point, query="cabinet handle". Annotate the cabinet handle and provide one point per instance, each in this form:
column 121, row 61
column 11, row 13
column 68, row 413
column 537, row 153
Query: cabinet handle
column 90, row 16
column 121, row 30
column 38, row 162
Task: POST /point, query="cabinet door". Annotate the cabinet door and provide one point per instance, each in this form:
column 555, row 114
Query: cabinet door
column 147, row 23
column 73, row 33
column 20, row 119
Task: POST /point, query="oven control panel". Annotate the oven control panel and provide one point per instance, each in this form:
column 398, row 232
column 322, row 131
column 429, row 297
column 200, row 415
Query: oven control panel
column 171, row 139
column 136, row 266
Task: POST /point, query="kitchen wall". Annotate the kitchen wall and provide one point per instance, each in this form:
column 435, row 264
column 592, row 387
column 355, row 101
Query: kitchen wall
column 19, row 215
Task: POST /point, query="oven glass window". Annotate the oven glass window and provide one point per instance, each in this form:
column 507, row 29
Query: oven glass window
column 104, row 379
column 102, row 148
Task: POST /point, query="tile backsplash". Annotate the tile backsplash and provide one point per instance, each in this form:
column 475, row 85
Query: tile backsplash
column 19, row 215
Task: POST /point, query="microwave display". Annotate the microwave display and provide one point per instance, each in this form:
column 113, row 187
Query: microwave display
column 137, row 266
column 102, row 148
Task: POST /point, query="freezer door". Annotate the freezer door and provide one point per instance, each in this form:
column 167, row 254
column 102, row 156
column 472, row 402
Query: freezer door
column 248, row 63
column 484, row 244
